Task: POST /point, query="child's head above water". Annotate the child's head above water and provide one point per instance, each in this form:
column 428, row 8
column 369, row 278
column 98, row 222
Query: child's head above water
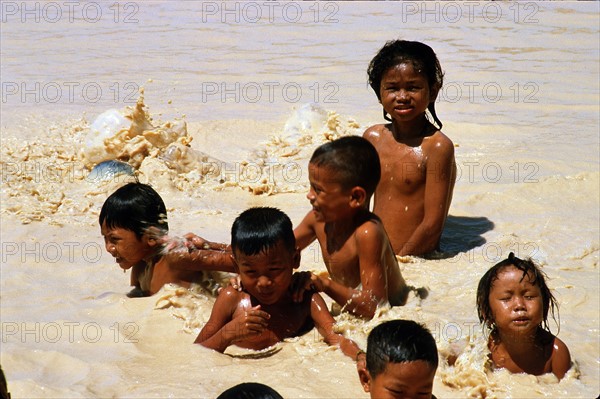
column 419, row 55
column 135, row 207
column 264, row 252
column 353, row 160
column 531, row 278
column 259, row 229
column 402, row 359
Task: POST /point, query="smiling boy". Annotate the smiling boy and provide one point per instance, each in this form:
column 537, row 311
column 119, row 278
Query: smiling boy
column 362, row 266
column 264, row 313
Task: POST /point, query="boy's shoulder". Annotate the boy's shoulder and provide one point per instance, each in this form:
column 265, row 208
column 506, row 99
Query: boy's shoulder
column 231, row 297
column 369, row 226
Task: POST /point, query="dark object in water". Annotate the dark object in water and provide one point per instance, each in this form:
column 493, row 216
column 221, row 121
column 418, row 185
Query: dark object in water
column 107, row 170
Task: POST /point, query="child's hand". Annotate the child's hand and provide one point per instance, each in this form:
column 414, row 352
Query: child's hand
column 305, row 281
column 196, row 242
column 236, row 282
column 248, row 322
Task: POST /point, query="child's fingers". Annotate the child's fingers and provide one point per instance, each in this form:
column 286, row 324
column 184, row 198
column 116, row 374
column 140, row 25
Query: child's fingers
column 236, row 283
column 255, row 313
column 301, row 282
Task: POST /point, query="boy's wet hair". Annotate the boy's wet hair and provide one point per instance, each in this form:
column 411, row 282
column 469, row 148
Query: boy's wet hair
column 530, row 269
column 258, row 229
column 354, row 161
column 399, row 341
column 250, row 390
column 136, row 207
column 420, row 55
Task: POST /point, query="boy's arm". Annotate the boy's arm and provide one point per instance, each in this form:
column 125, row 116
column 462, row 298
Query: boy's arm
column 305, row 231
column 439, row 184
column 223, row 328
column 201, row 259
column 370, row 242
column 324, row 323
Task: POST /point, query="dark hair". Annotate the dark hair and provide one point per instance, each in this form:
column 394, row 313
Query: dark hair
column 250, row 390
column 420, row 55
column 135, row 207
column 258, row 229
column 399, row 341
column 353, row 159
column 536, row 276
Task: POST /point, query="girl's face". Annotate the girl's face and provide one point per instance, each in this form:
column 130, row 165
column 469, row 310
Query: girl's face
column 405, row 92
column 125, row 246
column 516, row 304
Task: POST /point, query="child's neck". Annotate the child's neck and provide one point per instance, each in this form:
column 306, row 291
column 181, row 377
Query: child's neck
column 522, row 344
column 350, row 223
column 154, row 256
column 417, row 128
column 339, row 230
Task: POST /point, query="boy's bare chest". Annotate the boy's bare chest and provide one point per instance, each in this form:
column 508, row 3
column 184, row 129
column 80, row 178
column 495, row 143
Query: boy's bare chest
column 285, row 321
column 341, row 259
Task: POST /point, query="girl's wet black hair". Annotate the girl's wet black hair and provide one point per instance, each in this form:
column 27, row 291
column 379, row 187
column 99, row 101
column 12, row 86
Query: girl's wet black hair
column 399, row 341
column 250, row 390
column 135, row 207
column 420, row 55
column 258, row 229
column 353, row 159
column 536, row 276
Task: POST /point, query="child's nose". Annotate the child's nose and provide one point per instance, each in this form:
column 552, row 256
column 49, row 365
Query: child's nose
column 110, row 248
column 519, row 303
column 311, row 195
column 401, row 95
column 264, row 281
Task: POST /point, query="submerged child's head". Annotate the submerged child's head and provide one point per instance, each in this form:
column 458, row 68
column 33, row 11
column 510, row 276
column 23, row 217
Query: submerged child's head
column 341, row 166
column 135, row 207
column 125, row 218
column 402, row 359
column 422, row 58
column 250, row 390
column 513, row 295
column 264, row 251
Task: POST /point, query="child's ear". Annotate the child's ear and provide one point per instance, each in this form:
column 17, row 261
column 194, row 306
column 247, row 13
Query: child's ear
column 365, row 379
column 358, row 196
column 150, row 240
